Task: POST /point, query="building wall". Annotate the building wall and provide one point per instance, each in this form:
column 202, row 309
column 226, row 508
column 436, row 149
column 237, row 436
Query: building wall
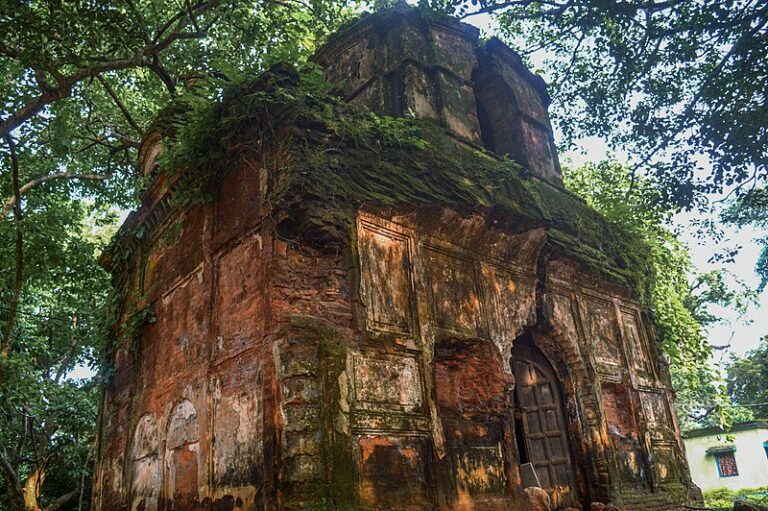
column 751, row 460
column 291, row 376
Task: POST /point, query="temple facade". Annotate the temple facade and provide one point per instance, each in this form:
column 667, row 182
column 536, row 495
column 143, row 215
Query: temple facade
column 371, row 314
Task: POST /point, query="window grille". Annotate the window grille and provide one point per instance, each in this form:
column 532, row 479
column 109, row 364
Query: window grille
column 726, row 464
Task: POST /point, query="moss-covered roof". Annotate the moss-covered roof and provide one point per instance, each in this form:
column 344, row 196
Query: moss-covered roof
column 444, row 173
column 335, row 157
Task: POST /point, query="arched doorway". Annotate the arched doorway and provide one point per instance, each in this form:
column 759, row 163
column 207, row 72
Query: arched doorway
column 540, row 427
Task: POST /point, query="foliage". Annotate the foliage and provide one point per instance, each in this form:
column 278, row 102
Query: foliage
column 679, row 85
column 748, row 379
column 81, row 83
column 344, row 156
column 751, row 208
column 201, row 145
column 679, row 306
column 723, row 498
column 46, row 418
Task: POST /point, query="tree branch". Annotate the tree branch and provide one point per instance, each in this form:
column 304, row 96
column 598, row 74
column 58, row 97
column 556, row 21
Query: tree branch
column 13, row 483
column 12, row 201
column 142, row 57
column 555, row 8
column 119, row 103
column 32, row 489
column 74, row 342
column 59, row 502
column 156, row 66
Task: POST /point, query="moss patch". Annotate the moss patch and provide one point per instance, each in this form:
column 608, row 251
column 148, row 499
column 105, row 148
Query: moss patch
column 326, row 158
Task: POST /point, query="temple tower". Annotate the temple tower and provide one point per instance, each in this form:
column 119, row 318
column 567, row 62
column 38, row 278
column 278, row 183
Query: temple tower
column 395, row 311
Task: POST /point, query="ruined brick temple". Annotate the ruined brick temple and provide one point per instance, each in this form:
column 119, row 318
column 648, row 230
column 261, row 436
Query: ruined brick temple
column 365, row 313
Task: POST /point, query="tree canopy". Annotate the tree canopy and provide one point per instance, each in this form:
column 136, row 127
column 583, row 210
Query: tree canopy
column 81, row 82
column 680, row 85
column 748, row 379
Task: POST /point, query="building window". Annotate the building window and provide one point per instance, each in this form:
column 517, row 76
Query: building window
column 726, row 464
column 765, row 446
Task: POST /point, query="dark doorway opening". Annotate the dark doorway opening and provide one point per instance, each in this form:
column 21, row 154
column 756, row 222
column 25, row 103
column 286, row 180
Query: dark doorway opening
column 540, row 427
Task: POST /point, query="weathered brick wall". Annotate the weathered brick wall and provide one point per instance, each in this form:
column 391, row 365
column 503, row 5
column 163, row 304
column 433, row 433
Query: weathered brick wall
column 182, row 419
column 376, row 373
column 408, row 357
column 404, row 65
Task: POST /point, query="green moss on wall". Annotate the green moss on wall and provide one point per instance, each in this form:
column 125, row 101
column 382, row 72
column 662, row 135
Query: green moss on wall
column 326, row 158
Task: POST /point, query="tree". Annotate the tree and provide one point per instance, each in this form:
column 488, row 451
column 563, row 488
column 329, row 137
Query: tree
column 751, row 208
column 46, row 418
column 679, row 303
column 81, row 84
column 82, row 81
column 748, row 379
column 679, row 84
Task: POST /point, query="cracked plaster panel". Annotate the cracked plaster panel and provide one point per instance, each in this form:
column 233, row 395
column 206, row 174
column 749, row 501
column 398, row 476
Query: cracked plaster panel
column 612, row 321
column 176, row 343
column 386, row 391
column 637, row 345
column 386, row 282
column 666, row 464
column 657, row 414
column 184, row 472
column 453, row 292
column 473, row 233
column 481, row 480
column 239, row 305
column 144, row 460
column 238, row 450
column 387, row 383
column 604, row 334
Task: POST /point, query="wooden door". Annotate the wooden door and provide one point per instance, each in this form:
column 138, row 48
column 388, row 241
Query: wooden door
column 539, row 408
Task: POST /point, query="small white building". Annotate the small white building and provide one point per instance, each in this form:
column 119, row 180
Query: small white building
column 735, row 459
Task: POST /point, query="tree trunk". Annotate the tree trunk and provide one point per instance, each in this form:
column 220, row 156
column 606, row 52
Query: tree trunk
column 32, row 490
column 14, row 490
column 5, row 342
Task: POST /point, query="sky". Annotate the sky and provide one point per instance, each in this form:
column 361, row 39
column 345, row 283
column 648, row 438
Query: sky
column 742, row 334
